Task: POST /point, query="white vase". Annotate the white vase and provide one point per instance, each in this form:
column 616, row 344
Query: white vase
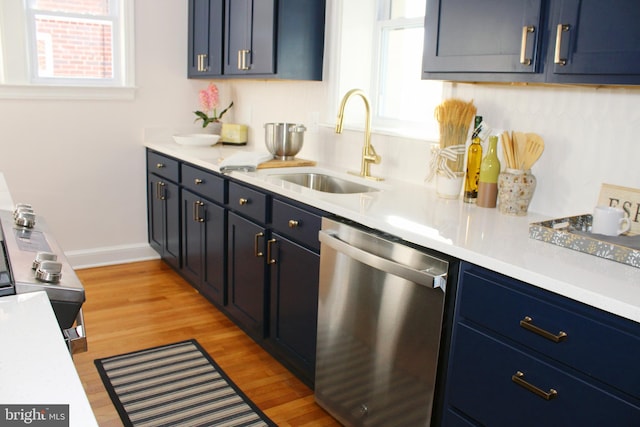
column 214, row 128
column 449, row 188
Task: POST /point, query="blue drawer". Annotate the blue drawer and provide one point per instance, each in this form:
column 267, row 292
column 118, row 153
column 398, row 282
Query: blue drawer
column 205, row 183
column 482, row 371
column 599, row 344
column 248, row 202
column 297, row 224
column 164, row 166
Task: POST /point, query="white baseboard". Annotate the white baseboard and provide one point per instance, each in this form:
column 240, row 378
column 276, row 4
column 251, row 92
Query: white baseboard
column 112, row 255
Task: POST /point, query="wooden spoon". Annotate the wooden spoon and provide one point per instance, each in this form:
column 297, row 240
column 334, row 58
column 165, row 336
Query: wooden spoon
column 533, row 150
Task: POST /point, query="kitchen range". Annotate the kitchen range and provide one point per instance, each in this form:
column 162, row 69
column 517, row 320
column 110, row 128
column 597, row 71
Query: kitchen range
column 32, row 261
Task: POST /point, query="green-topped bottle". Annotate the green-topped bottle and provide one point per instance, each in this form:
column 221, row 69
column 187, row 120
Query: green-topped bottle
column 489, row 171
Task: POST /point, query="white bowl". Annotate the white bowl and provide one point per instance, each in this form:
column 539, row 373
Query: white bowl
column 197, row 139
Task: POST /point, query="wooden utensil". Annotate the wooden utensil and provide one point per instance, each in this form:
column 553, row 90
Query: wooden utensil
column 507, row 149
column 520, row 141
column 534, row 147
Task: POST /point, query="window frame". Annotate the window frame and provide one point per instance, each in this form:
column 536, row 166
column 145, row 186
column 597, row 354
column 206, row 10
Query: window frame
column 18, row 77
column 422, row 130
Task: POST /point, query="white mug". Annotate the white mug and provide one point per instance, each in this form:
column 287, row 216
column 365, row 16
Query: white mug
column 609, row 221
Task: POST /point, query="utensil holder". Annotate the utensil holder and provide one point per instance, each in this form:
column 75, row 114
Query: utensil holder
column 515, row 191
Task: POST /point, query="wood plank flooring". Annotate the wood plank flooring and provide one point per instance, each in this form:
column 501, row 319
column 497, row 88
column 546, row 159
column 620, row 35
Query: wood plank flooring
column 139, row 305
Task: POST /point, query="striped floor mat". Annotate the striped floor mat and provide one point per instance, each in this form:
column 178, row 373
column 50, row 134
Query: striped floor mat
column 176, row 385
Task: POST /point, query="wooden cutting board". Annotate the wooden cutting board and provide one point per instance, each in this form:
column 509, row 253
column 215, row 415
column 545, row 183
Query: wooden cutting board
column 276, row 163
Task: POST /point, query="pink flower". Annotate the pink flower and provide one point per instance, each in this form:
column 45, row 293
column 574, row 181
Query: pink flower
column 209, row 98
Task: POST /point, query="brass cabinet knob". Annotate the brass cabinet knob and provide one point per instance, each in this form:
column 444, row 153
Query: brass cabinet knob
column 198, row 181
column 243, row 201
column 159, row 165
column 293, row 223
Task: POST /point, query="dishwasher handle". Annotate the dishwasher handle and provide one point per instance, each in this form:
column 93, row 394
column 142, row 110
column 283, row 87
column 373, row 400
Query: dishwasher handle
column 421, row 277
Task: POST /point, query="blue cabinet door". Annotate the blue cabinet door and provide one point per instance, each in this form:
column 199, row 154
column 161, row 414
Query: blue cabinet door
column 163, row 206
column 206, row 18
column 594, row 41
column 250, row 44
column 246, row 269
column 203, row 245
column 294, row 304
column 489, row 36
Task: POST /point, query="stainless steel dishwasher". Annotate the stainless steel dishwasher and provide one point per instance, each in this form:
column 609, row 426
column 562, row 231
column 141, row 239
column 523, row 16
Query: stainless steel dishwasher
column 380, row 321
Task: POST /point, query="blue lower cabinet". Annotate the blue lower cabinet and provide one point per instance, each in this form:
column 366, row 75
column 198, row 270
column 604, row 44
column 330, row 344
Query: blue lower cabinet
column 518, row 358
column 294, row 304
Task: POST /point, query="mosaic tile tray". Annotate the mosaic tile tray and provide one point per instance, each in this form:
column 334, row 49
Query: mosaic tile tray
column 575, row 233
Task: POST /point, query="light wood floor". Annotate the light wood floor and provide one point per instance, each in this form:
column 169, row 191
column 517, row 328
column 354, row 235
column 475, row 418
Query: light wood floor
column 135, row 306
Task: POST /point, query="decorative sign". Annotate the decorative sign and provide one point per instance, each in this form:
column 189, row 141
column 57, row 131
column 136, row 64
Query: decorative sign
column 623, row 197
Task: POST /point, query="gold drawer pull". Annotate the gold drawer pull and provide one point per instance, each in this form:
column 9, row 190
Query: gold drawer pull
column 293, row 223
column 523, row 46
column 198, row 181
column 256, row 245
column 270, row 259
column 243, row 201
column 518, row 378
column 561, row 28
column 526, row 323
column 159, row 165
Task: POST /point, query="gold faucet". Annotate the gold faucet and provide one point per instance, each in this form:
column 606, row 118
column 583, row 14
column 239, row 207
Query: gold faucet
column 368, row 152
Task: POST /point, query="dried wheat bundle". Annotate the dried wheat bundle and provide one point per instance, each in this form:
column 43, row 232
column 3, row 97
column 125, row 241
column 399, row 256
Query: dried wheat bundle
column 454, row 117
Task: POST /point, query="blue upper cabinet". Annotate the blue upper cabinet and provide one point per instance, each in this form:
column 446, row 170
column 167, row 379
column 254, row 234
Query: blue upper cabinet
column 490, row 36
column 595, row 41
column 546, row 41
column 205, row 38
column 250, row 44
column 277, row 39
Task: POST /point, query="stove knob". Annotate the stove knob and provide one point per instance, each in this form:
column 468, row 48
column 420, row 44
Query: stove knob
column 49, row 271
column 43, row 256
column 26, row 219
column 18, row 211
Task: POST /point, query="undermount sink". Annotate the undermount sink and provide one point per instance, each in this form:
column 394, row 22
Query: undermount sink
column 324, row 183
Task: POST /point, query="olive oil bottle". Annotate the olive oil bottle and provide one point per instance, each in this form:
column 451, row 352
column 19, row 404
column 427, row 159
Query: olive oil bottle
column 474, row 159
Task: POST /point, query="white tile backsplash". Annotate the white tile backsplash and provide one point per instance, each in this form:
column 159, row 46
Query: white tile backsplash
column 589, row 132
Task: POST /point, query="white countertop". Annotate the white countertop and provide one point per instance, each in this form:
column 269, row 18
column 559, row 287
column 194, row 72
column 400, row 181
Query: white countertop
column 35, row 365
column 477, row 235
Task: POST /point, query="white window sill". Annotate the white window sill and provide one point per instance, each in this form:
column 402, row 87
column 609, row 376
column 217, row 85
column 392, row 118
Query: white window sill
column 67, row 92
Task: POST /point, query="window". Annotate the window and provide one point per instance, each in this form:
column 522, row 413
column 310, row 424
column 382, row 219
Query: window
column 380, row 51
column 65, row 44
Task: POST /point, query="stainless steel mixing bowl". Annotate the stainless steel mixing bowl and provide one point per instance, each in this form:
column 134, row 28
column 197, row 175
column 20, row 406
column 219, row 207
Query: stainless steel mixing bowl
column 284, row 140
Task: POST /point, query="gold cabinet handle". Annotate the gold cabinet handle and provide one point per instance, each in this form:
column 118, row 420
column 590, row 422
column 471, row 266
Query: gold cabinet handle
column 293, row 223
column 518, row 378
column 242, row 59
column 561, row 28
column 528, row 325
column 159, row 165
column 198, row 181
column 202, row 59
column 196, row 211
column 243, row 201
column 270, row 259
column 160, row 194
column 256, row 244
column 526, row 30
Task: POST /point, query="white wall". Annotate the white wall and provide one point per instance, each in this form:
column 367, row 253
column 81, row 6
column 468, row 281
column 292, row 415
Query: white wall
column 81, row 163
